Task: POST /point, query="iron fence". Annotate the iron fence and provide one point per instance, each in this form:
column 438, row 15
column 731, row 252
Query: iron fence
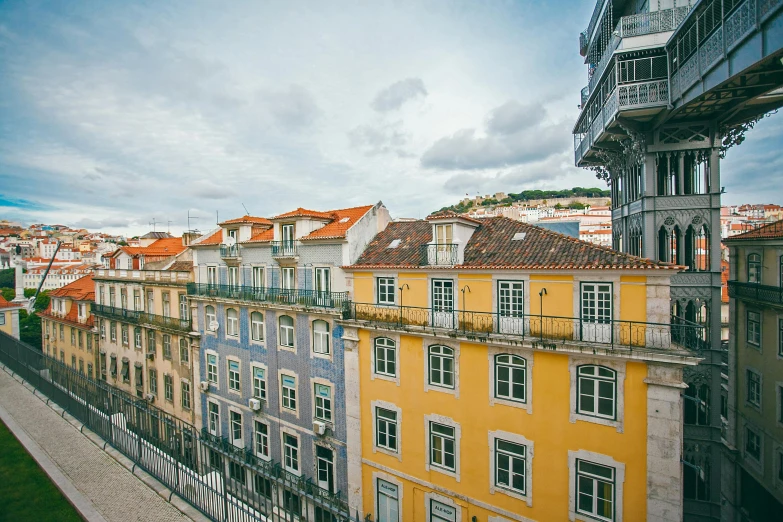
column 542, row 328
column 306, row 298
column 137, row 317
column 222, row 481
column 284, row 249
column 229, row 251
column 439, row 254
column 757, row 292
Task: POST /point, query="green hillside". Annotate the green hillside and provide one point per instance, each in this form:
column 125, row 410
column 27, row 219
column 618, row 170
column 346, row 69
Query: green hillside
column 528, row 195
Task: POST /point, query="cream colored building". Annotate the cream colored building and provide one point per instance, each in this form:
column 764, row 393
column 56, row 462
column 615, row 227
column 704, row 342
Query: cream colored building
column 9, row 317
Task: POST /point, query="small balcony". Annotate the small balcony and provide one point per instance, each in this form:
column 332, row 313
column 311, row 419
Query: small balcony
column 284, row 249
column 164, row 276
column 141, row 318
column 755, row 292
column 304, row 298
column 230, row 251
column 116, row 313
column 549, row 331
column 439, row 255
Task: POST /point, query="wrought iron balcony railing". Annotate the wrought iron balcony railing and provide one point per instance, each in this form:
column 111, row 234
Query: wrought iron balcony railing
column 439, row 254
column 632, row 335
column 305, row 298
column 284, row 249
column 654, row 22
column 756, row 292
column 229, row 251
column 137, row 317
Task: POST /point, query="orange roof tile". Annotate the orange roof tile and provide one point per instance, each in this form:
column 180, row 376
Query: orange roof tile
column 247, row 219
column 449, row 214
column 343, row 220
column 771, row 231
column 168, row 246
column 7, row 304
column 214, row 239
column 266, row 235
column 303, row 212
column 83, row 289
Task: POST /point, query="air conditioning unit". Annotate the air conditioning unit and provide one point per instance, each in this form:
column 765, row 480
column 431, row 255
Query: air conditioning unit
column 150, row 397
column 204, row 386
column 255, row 404
column 319, row 427
column 151, row 355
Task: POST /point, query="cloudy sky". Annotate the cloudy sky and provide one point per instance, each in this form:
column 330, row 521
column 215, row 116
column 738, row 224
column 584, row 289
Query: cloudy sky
column 113, row 114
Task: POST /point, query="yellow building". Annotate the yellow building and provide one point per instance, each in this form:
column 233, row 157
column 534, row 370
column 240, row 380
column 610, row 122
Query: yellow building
column 67, row 326
column 9, row 317
column 500, row 371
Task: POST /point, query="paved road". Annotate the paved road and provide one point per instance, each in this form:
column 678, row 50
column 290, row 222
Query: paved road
column 105, row 488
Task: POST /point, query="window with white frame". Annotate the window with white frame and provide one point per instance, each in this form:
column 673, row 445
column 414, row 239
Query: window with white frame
column 754, row 328
column 386, row 429
column 388, row 501
column 168, row 387
column 184, row 312
column 259, row 383
column 258, row 277
column 232, row 322
column 441, row 366
column 385, row 357
column 212, row 275
column 286, row 331
column 124, row 331
column 510, row 466
column 323, row 402
column 261, row 439
column 212, row 368
column 442, row 446
column 150, row 302
column 236, row 426
column 288, row 278
column 184, row 351
column 321, row 337
column 510, row 377
column 596, row 391
column 257, row 326
column 152, row 345
column 386, row 290
column 137, row 300
column 137, row 337
column 595, row 490
column 291, row 452
column 214, row 417
column 754, row 387
column 323, row 281
column 153, row 381
column 211, row 317
column 166, row 346
column 234, row 382
column 185, row 394
column 288, row 385
column 166, row 300
column 752, row 443
column 113, row 331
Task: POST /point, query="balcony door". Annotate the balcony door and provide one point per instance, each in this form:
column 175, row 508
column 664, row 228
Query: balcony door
column 443, row 303
column 444, row 238
column 511, row 307
column 325, row 458
column 287, row 239
column 596, row 317
column 323, row 286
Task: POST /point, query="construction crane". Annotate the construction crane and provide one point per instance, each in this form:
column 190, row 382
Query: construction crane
column 20, row 285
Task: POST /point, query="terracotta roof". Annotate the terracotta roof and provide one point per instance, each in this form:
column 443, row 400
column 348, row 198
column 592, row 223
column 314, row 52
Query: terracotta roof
column 7, row 304
column 247, row 219
column 771, row 231
column 169, row 246
column 343, row 220
column 262, row 237
column 83, row 289
column 491, row 247
column 181, row 266
column 449, row 214
column 303, row 212
column 215, row 239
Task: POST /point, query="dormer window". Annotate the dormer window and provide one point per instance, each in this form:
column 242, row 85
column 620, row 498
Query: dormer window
column 444, row 234
column 233, row 234
column 287, row 233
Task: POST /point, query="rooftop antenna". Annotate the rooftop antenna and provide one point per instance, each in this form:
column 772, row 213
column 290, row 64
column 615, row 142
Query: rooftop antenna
column 217, row 217
column 169, row 226
column 247, row 212
column 189, row 218
column 153, row 223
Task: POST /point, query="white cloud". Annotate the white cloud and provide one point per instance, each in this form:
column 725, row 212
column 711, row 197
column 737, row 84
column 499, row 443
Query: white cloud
column 396, row 94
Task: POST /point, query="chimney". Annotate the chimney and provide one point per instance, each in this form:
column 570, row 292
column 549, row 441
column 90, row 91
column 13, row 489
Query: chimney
column 188, row 238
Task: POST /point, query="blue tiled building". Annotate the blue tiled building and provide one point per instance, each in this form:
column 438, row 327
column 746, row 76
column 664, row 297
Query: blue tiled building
column 267, row 296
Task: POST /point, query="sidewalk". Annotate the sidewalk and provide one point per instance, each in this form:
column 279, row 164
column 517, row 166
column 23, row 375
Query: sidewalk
column 97, row 482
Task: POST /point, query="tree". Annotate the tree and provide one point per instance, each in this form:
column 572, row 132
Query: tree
column 7, row 278
column 8, row 293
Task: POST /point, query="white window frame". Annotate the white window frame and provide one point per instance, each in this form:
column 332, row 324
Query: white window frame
column 259, row 271
column 208, row 318
column 321, row 338
column 185, row 391
column 619, row 481
column 236, row 378
column 445, row 421
column 212, row 276
column 455, row 347
column 258, row 366
column 374, row 406
column 258, row 437
column 288, row 278
column 530, row 359
column 184, row 351
column 256, row 327
column 384, row 281
column 379, row 475
column 216, row 373
column 137, row 338
column 493, row 437
column 168, row 379
column 429, row 497
column 283, row 387
column 216, row 430
column 232, row 323
column 280, row 335
column 314, row 386
column 619, row 367
column 238, row 442
column 284, row 449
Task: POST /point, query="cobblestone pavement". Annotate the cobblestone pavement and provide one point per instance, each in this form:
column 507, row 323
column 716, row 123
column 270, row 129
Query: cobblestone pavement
column 114, row 491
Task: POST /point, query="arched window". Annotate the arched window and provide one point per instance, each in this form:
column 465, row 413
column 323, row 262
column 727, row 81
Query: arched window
column 286, row 331
column 697, row 405
column 321, row 337
column 232, row 323
column 754, row 268
column 211, row 317
column 510, row 377
column 597, row 391
column 697, row 249
column 669, row 250
column 385, row 357
column 635, row 241
column 257, row 326
column 441, row 366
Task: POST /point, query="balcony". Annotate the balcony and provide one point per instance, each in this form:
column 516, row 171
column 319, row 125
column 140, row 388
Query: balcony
column 752, row 291
column 305, row 298
column 164, row 276
column 284, row 249
column 229, row 251
column 439, row 255
column 549, row 331
column 141, row 318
